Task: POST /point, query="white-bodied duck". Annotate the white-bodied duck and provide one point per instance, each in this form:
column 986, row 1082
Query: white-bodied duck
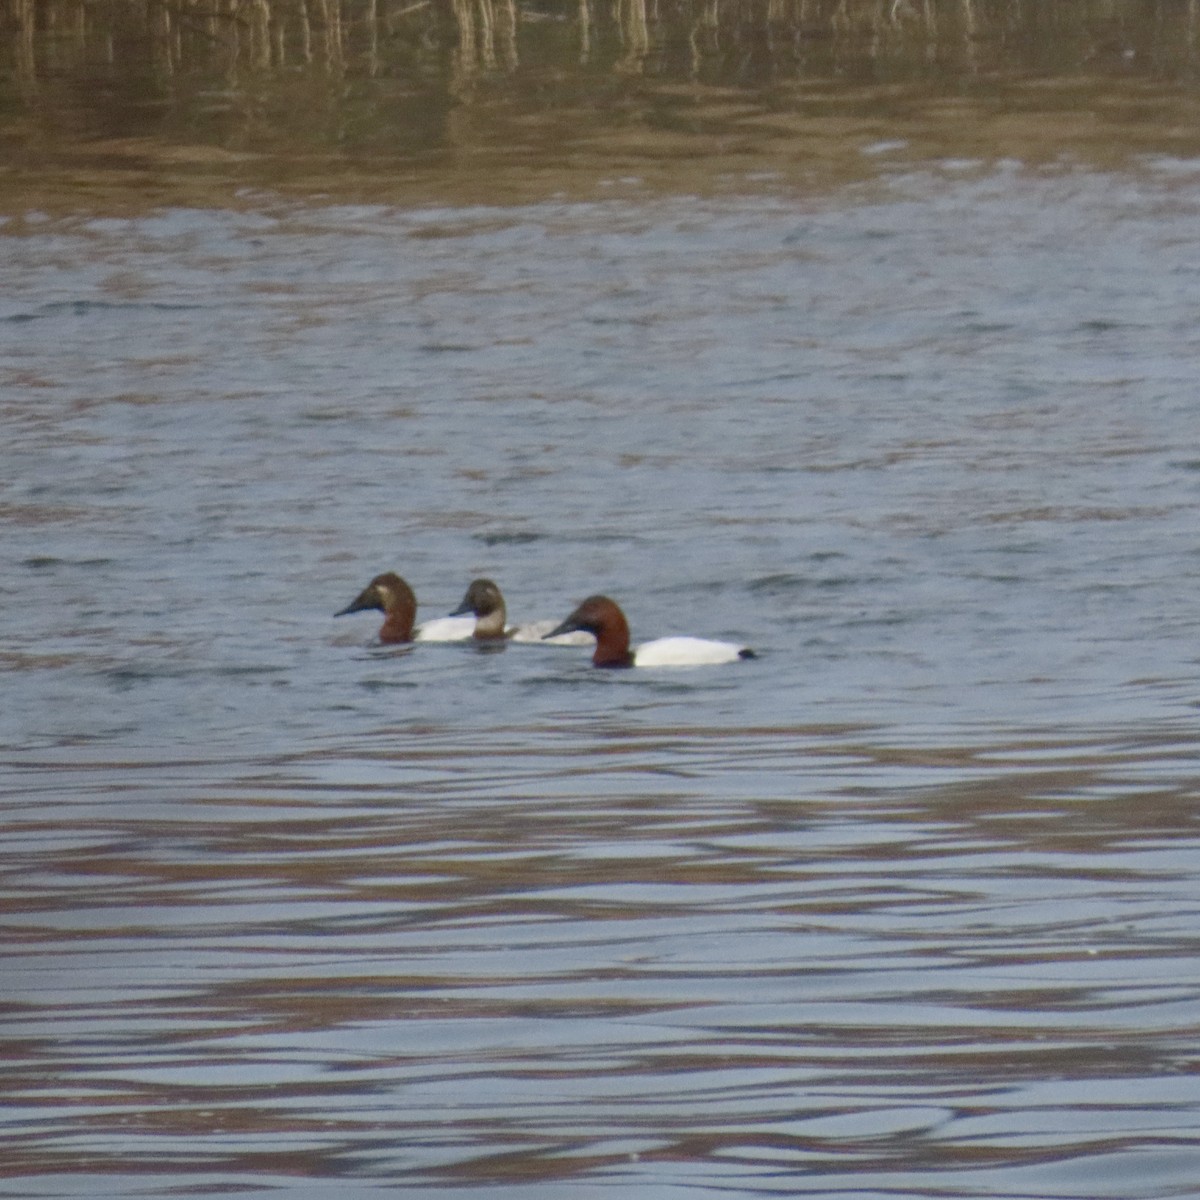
column 604, row 620
column 391, row 595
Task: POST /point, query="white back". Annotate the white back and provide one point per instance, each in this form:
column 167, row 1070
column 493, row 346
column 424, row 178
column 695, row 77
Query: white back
column 684, row 652
column 536, row 631
column 445, row 629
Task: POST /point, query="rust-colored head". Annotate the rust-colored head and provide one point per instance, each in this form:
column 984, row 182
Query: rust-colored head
column 390, row 595
column 604, row 620
column 483, row 598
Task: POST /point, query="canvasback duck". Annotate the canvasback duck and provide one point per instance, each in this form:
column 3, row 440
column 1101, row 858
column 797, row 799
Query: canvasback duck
column 390, row 595
column 486, row 602
column 603, row 618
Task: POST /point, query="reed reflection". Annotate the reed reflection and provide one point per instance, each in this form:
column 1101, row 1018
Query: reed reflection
column 782, row 83
column 780, row 37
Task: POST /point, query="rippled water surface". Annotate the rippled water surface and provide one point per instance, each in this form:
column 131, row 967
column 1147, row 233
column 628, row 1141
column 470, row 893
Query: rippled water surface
column 907, row 906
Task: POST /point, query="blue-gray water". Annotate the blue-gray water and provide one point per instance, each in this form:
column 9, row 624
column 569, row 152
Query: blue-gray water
column 904, row 907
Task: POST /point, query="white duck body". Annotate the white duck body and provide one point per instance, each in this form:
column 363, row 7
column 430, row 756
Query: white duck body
column 685, row 652
column 536, row 631
column 445, row 629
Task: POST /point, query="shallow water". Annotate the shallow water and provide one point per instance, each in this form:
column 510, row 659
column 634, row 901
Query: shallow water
column 904, row 907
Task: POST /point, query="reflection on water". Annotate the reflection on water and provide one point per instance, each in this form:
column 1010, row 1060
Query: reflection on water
column 774, row 961
column 905, row 907
column 116, row 103
column 733, row 41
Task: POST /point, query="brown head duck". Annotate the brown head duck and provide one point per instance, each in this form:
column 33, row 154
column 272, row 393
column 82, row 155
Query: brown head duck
column 604, row 620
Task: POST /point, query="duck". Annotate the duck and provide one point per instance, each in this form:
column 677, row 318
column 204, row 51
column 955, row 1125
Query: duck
column 485, row 600
column 603, row 618
column 392, row 596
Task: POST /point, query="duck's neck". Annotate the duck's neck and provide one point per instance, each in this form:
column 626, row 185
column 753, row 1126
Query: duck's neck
column 491, row 625
column 612, row 644
column 398, row 625
column 602, row 659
